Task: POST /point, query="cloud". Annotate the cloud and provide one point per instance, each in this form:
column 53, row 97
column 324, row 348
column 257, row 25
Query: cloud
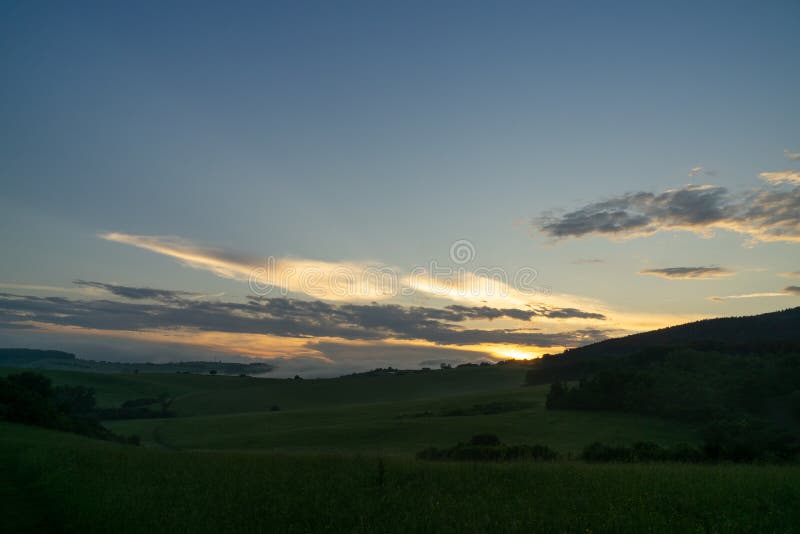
column 318, row 279
column 483, row 294
column 33, row 287
column 293, row 318
column 690, row 273
column 763, row 215
column 794, row 156
column 787, row 292
column 696, row 171
column 795, row 274
column 793, row 290
column 137, row 293
column 781, row 177
column 456, row 312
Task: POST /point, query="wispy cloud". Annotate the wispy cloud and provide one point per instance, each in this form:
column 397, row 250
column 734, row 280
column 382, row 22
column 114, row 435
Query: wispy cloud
column 39, row 288
column 781, row 177
column 690, row 273
column 795, row 274
column 748, row 296
column 788, row 291
column 794, row 156
column 696, row 171
column 138, row 293
column 763, row 215
column 335, row 281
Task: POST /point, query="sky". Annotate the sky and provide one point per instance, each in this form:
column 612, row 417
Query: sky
column 339, row 186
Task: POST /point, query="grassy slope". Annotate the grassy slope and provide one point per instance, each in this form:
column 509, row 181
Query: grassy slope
column 376, row 427
column 207, row 395
column 130, row 489
column 360, row 414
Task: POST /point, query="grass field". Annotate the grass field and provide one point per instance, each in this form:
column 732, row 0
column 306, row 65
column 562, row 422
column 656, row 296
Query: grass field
column 208, row 395
column 56, row 481
column 361, row 414
column 392, row 428
column 226, row 463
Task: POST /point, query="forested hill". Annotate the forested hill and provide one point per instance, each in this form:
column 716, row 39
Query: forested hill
column 26, row 357
column 65, row 361
column 768, row 331
column 739, row 378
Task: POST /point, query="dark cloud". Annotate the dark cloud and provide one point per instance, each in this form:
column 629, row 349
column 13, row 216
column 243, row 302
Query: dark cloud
column 297, row 318
column 462, row 313
column 107, row 348
column 688, row 272
column 764, row 215
column 794, row 290
column 136, row 293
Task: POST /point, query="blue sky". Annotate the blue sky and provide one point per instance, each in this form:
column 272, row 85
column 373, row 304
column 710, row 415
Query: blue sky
column 352, row 133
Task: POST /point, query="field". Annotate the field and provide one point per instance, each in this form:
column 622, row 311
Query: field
column 85, row 485
column 339, row 457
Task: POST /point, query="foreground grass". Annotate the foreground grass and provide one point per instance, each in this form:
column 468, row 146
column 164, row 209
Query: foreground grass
column 61, row 482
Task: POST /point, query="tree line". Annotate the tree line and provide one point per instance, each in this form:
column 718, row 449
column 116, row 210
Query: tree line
column 746, row 404
column 30, row 398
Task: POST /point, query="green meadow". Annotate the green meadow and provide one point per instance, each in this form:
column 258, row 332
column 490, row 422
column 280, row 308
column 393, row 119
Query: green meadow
column 338, row 456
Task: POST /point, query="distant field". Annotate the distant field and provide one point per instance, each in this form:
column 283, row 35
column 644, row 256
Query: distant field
column 397, row 428
column 51, row 481
column 208, row 395
column 362, row 414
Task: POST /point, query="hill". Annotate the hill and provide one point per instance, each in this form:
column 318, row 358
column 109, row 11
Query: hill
column 774, row 332
column 739, row 378
column 56, row 359
column 397, row 414
column 766, row 331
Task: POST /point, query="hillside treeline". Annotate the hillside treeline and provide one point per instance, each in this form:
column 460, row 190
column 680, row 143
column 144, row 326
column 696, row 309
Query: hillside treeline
column 30, row 398
column 747, row 403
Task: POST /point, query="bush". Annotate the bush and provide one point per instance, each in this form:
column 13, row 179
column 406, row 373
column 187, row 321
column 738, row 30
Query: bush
column 746, row 439
column 489, row 448
column 485, row 440
column 643, row 451
column 29, row 398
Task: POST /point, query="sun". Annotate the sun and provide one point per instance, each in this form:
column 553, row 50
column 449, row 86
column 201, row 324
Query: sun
column 513, row 352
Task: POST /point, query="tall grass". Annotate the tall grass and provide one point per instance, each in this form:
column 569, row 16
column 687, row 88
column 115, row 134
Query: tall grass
column 84, row 485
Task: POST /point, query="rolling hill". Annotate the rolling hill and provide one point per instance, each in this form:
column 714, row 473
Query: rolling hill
column 766, row 331
column 774, row 332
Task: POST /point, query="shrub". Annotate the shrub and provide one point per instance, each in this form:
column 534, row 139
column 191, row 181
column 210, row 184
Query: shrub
column 485, row 440
column 643, row 451
column 489, row 448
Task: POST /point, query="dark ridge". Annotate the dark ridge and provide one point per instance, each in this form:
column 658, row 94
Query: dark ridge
column 769, row 329
column 774, row 333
